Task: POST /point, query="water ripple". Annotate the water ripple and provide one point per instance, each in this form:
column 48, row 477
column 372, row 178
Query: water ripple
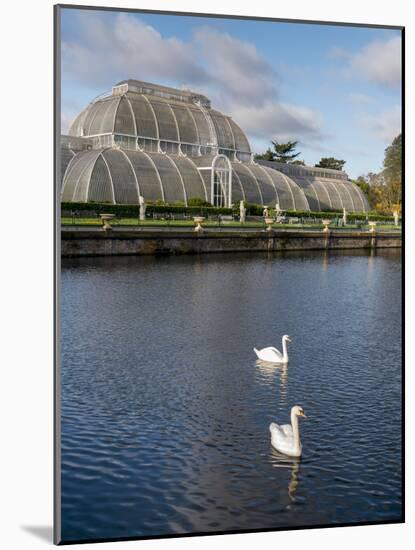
column 165, row 412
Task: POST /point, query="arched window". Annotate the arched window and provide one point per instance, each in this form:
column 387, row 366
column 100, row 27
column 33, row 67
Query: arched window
column 221, row 182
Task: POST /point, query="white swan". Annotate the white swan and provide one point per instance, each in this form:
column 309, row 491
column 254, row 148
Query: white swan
column 272, row 355
column 286, row 438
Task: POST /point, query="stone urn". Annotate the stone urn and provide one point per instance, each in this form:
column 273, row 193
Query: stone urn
column 372, row 226
column 326, row 224
column 106, row 218
column 269, row 221
column 198, row 222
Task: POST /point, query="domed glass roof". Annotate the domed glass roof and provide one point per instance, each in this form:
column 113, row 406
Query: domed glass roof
column 169, row 144
column 131, row 112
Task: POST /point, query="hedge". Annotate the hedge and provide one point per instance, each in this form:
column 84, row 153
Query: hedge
column 132, row 211
column 351, row 216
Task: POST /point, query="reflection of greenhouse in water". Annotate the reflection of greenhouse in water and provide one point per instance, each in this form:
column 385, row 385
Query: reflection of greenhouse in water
column 169, row 144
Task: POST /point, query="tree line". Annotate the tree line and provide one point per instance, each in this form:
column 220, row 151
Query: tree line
column 285, row 152
column 383, row 189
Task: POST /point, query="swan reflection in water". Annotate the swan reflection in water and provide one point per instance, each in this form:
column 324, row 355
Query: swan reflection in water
column 279, row 460
column 268, row 371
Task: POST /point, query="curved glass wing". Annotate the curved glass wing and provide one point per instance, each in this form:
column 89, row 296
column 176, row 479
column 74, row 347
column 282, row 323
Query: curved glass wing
column 193, row 182
column 66, row 157
column 265, row 183
column 249, row 184
column 122, row 176
column 147, row 176
column 172, row 185
column 74, row 187
column 100, row 185
column 307, row 185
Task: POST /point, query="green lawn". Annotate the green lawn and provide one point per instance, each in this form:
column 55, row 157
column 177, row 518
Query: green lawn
column 88, row 222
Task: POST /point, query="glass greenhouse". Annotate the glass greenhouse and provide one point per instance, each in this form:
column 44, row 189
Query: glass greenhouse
column 169, row 144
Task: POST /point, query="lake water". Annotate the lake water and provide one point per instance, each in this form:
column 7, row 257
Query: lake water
column 165, row 411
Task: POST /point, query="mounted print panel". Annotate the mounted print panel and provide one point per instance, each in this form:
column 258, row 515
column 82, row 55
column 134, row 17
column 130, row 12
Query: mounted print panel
column 229, row 283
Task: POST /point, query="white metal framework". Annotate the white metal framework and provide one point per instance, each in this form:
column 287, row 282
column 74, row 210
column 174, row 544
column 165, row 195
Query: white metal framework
column 221, row 182
column 171, row 145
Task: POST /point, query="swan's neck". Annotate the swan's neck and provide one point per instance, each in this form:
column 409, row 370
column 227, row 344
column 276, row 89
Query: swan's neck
column 284, row 350
column 296, row 431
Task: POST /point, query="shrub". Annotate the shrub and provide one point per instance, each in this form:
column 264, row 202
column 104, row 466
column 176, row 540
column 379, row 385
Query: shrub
column 198, row 202
column 132, row 211
column 254, row 209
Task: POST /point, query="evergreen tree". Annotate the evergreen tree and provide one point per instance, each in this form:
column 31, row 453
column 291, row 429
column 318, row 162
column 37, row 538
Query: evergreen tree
column 283, row 152
column 331, row 162
column 268, row 155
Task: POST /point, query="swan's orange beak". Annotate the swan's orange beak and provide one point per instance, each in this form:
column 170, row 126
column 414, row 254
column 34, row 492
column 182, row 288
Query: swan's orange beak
column 303, row 415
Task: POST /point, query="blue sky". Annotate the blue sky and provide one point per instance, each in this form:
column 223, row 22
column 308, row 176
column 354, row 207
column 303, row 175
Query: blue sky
column 334, row 89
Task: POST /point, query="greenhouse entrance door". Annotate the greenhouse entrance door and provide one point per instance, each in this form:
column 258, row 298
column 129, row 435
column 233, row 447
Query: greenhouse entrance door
column 221, row 195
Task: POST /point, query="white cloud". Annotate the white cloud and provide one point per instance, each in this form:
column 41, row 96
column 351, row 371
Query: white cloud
column 237, row 69
column 125, row 47
column 385, row 125
column 66, row 121
column 339, row 53
column 279, row 121
column 361, row 99
column 378, row 62
column 230, row 71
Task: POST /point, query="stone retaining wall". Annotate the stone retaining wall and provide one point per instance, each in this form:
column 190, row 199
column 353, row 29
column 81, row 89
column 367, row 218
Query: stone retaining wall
column 96, row 242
